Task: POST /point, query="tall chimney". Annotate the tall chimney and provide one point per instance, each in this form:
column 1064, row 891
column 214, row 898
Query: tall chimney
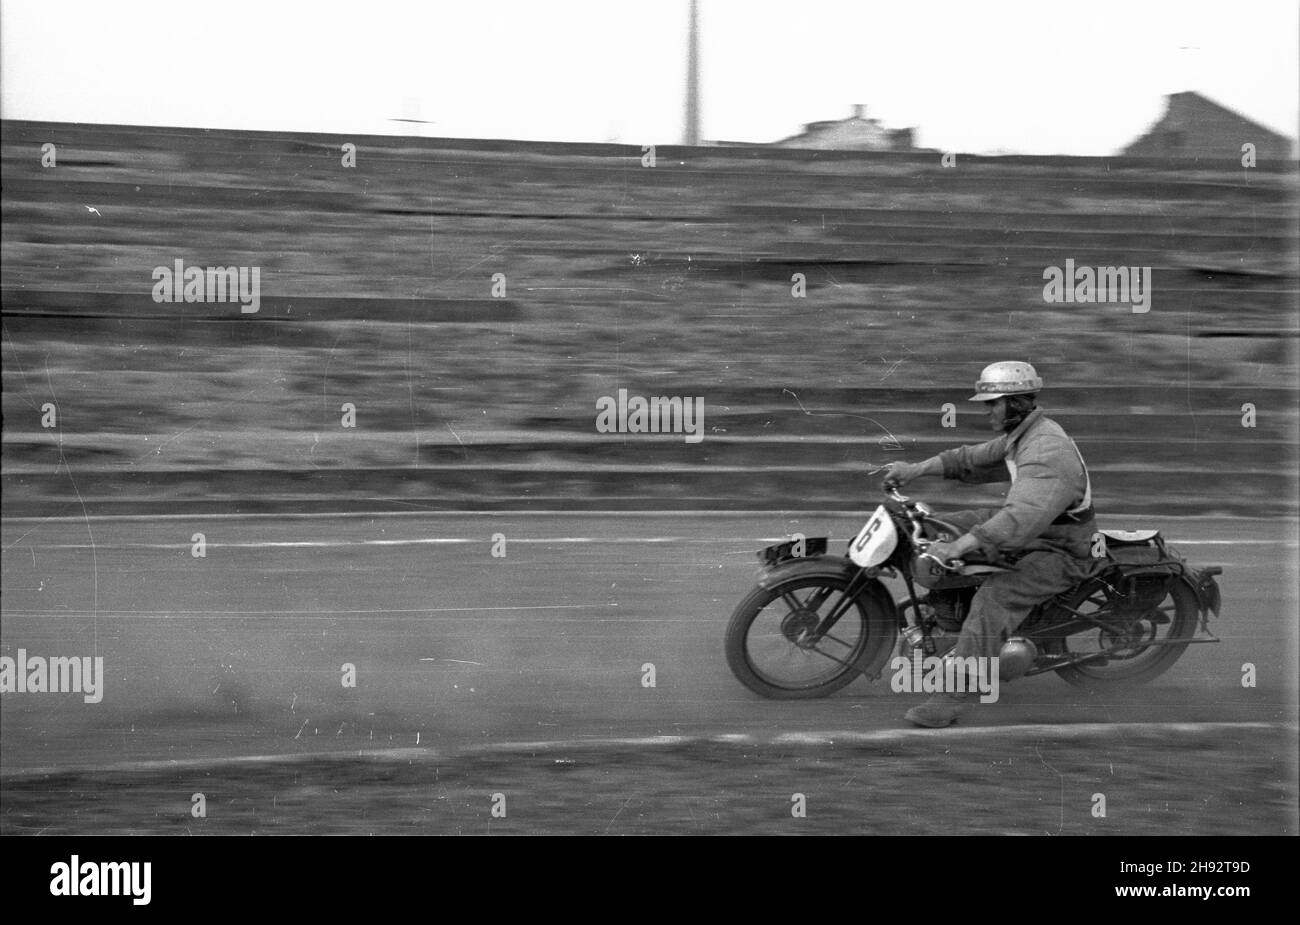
column 693, row 79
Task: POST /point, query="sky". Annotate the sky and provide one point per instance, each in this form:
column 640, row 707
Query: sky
column 980, row 76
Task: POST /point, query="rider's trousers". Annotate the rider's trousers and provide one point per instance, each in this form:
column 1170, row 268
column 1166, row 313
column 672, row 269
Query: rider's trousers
column 1005, row 599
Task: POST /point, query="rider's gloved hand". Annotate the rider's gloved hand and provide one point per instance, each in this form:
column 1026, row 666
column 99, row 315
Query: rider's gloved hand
column 944, row 552
column 957, row 549
column 901, row 473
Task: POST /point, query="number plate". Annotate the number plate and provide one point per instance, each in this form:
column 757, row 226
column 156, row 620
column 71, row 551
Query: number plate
column 876, row 541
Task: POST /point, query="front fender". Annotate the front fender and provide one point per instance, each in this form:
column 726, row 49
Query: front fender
column 824, row 566
column 808, row 547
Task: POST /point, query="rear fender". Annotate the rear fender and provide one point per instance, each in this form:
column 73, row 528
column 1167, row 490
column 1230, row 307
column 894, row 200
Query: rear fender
column 1144, row 554
column 1206, row 589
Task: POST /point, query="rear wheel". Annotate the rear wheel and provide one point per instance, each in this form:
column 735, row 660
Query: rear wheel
column 1132, row 658
column 774, row 648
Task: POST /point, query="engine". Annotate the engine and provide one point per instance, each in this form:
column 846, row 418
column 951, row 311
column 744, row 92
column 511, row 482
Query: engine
column 948, row 607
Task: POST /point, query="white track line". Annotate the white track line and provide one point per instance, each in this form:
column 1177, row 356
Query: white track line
column 295, row 613
column 425, row 541
column 351, row 515
column 543, row 541
column 886, row 736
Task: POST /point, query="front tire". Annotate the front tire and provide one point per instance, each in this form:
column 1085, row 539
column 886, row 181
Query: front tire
column 768, row 646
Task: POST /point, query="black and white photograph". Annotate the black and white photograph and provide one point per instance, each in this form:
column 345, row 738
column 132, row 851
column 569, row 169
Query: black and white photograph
column 689, row 417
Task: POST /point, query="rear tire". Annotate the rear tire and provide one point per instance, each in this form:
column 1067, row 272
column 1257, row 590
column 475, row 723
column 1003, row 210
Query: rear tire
column 1142, row 663
column 762, row 639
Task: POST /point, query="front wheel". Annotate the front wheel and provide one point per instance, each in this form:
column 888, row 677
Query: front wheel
column 778, row 644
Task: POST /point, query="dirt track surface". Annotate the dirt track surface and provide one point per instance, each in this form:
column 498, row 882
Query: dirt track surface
column 240, row 654
column 1038, row 781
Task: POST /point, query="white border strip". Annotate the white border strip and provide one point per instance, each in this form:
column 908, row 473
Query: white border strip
column 1055, row 732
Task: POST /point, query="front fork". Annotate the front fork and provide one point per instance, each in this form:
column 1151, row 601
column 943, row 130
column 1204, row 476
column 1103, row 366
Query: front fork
column 909, row 621
column 850, row 596
column 810, row 639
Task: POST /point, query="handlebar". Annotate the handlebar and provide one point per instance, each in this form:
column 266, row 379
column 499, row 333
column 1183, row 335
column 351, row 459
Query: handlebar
column 952, row 566
column 891, row 486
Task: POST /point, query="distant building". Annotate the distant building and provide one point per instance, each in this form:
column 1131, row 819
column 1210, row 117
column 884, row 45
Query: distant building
column 1196, row 127
column 856, row 133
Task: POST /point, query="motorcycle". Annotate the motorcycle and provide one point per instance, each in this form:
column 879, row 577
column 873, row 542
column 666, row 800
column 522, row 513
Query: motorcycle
column 816, row 622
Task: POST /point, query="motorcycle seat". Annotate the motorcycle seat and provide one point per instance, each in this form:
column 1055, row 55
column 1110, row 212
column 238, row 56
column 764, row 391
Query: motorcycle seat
column 1130, row 536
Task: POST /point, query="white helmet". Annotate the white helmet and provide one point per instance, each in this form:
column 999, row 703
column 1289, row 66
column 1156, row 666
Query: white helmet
column 1008, row 377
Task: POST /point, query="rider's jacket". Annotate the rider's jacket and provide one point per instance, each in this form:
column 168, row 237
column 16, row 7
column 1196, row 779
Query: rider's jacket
column 1049, row 505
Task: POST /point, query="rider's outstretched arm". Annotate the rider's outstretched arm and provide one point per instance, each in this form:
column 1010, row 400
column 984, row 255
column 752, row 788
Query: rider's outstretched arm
column 903, row 473
column 979, row 463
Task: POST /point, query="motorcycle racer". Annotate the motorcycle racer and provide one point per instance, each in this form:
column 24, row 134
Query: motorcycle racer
column 1045, row 526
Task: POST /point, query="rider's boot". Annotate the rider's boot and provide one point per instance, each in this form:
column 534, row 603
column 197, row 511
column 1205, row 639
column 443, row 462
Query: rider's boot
column 942, row 709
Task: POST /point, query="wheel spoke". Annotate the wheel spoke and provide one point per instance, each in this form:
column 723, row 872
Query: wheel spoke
column 791, row 615
column 834, row 638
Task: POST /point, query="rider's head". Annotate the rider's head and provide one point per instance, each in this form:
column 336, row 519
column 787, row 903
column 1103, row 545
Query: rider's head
column 1009, row 387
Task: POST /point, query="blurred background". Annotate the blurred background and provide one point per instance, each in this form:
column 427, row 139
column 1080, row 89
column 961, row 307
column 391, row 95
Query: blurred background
column 672, row 280
column 921, row 261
